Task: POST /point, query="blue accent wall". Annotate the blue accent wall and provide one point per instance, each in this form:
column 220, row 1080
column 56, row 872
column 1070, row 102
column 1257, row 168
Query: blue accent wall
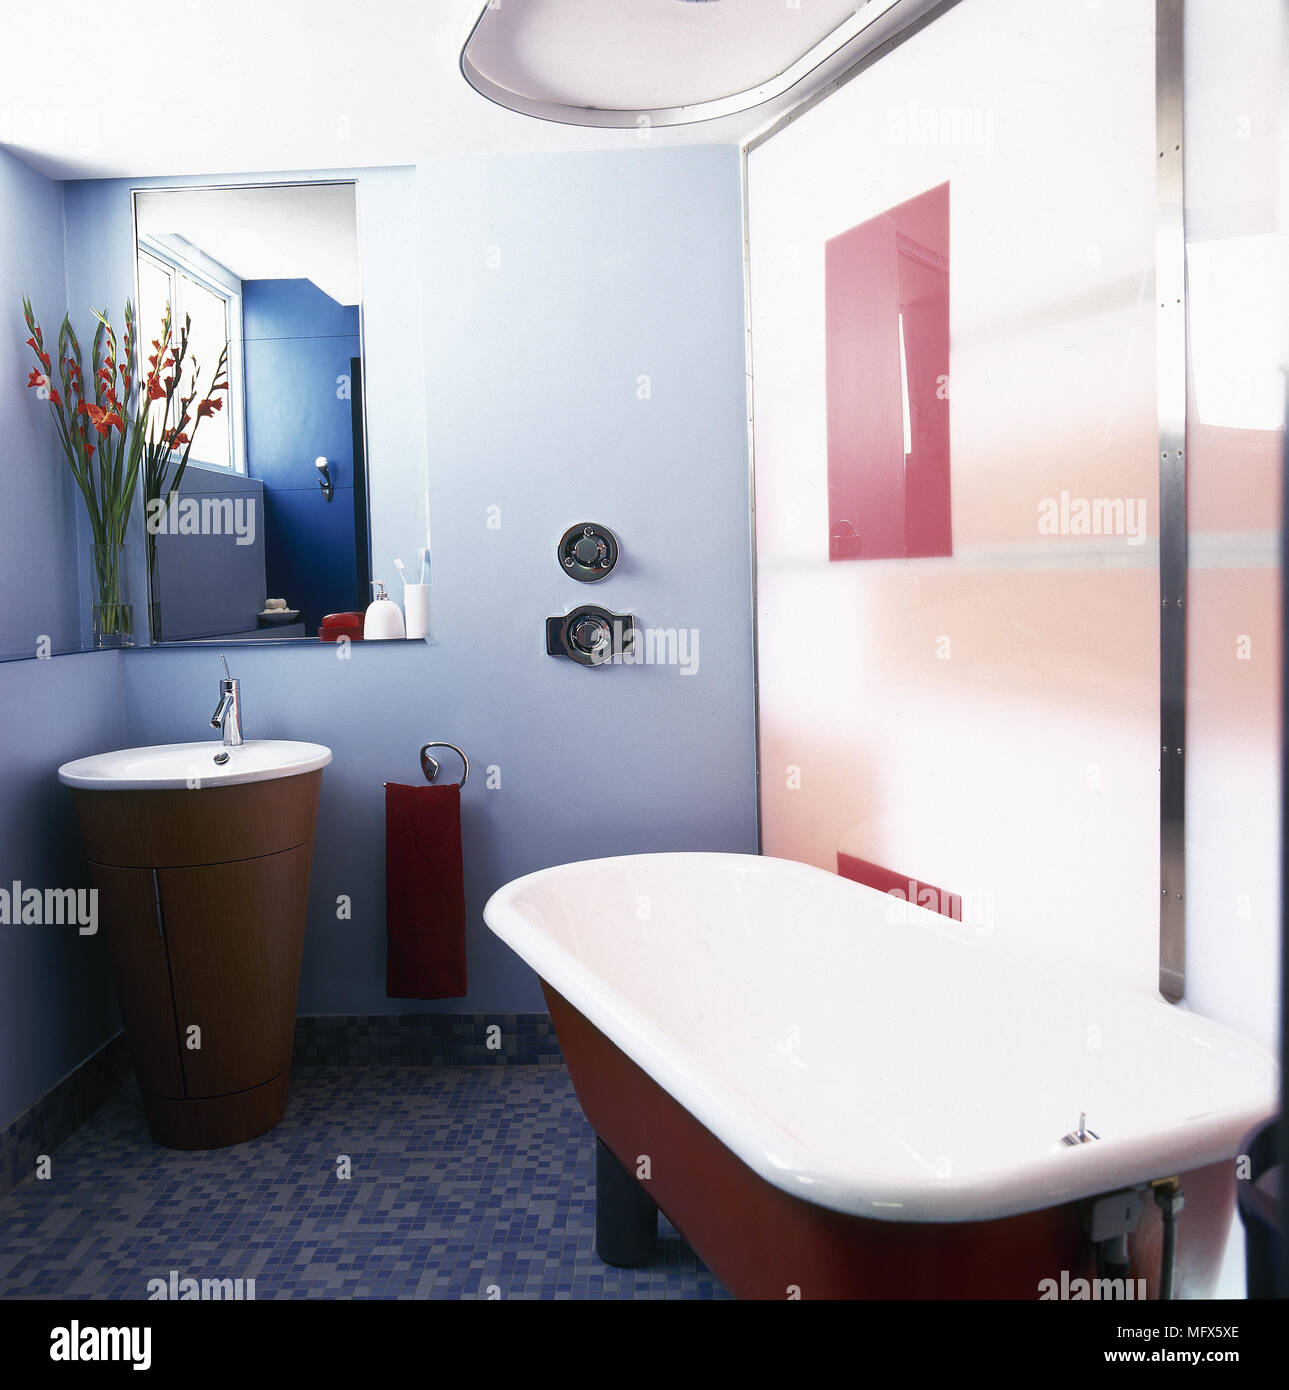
column 298, row 347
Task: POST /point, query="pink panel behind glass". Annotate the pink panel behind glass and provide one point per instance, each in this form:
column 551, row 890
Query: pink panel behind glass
column 884, row 502
column 901, row 885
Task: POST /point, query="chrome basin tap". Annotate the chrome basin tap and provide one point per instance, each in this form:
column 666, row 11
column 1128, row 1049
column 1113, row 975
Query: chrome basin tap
column 228, row 713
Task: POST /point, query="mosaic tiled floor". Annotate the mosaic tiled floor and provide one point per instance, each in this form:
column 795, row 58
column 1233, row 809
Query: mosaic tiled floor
column 467, row 1182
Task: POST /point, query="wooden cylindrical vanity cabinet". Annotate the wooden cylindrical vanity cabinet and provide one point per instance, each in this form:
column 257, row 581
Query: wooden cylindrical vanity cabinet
column 202, row 901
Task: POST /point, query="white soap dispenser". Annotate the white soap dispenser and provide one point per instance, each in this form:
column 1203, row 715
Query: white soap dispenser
column 384, row 620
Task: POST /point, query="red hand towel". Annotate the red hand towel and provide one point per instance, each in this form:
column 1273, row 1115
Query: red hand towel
column 424, row 893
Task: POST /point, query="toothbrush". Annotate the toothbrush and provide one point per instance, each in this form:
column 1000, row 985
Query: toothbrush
column 425, row 560
column 398, row 565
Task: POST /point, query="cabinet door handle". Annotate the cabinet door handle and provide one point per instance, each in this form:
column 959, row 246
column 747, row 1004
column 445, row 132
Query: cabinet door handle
column 156, row 898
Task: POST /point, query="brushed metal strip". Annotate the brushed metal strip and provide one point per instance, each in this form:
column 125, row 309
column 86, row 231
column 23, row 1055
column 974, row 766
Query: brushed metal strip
column 751, row 495
column 1171, row 367
column 910, row 22
column 1282, row 1143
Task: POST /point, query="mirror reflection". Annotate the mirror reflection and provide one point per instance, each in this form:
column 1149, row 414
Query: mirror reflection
column 257, row 517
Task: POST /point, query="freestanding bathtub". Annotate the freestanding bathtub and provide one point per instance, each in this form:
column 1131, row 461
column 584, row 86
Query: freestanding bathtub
column 832, row 1093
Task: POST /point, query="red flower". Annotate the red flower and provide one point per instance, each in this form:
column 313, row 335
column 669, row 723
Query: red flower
column 208, row 407
column 155, row 389
column 104, row 420
column 39, row 379
column 178, row 439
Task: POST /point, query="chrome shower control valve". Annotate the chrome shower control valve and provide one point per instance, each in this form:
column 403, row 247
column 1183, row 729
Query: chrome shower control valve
column 591, row 636
column 588, row 551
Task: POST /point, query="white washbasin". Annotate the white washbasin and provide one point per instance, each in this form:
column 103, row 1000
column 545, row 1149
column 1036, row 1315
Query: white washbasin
column 180, row 765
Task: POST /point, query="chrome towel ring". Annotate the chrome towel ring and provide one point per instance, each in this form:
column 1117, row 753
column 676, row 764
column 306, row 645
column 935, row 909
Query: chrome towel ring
column 430, row 766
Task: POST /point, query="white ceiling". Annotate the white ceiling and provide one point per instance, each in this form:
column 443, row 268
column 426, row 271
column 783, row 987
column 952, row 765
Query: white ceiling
column 253, row 86
column 309, row 231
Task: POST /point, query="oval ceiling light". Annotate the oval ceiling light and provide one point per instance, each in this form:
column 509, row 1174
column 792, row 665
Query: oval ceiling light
column 667, row 62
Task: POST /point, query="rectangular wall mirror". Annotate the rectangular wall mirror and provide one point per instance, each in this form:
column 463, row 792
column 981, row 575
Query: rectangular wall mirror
column 264, row 529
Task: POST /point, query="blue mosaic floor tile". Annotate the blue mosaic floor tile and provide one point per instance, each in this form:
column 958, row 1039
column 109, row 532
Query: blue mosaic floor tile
column 466, row 1182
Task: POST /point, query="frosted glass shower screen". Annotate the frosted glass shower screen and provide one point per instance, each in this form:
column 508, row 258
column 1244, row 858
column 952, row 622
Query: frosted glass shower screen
column 951, row 271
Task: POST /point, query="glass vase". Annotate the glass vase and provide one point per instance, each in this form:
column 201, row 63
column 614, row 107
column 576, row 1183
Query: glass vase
column 112, row 612
column 154, row 594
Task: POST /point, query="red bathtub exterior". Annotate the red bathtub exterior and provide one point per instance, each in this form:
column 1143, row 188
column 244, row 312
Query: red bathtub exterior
column 763, row 1243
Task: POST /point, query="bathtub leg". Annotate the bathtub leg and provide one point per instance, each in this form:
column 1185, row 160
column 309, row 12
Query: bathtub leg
column 626, row 1220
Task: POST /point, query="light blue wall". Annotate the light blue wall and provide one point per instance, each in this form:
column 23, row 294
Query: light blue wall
column 611, row 267
column 37, row 532
column 550, row 286
column 545, row 289
column 56, row 1004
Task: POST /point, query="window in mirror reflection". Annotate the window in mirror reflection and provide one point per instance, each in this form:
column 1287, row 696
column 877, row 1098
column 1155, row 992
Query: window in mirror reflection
column 213, row 308
column 254, row 547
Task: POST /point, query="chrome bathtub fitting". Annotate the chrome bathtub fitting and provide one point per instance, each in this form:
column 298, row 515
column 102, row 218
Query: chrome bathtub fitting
column 1082, row 1135
column 228, row 713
